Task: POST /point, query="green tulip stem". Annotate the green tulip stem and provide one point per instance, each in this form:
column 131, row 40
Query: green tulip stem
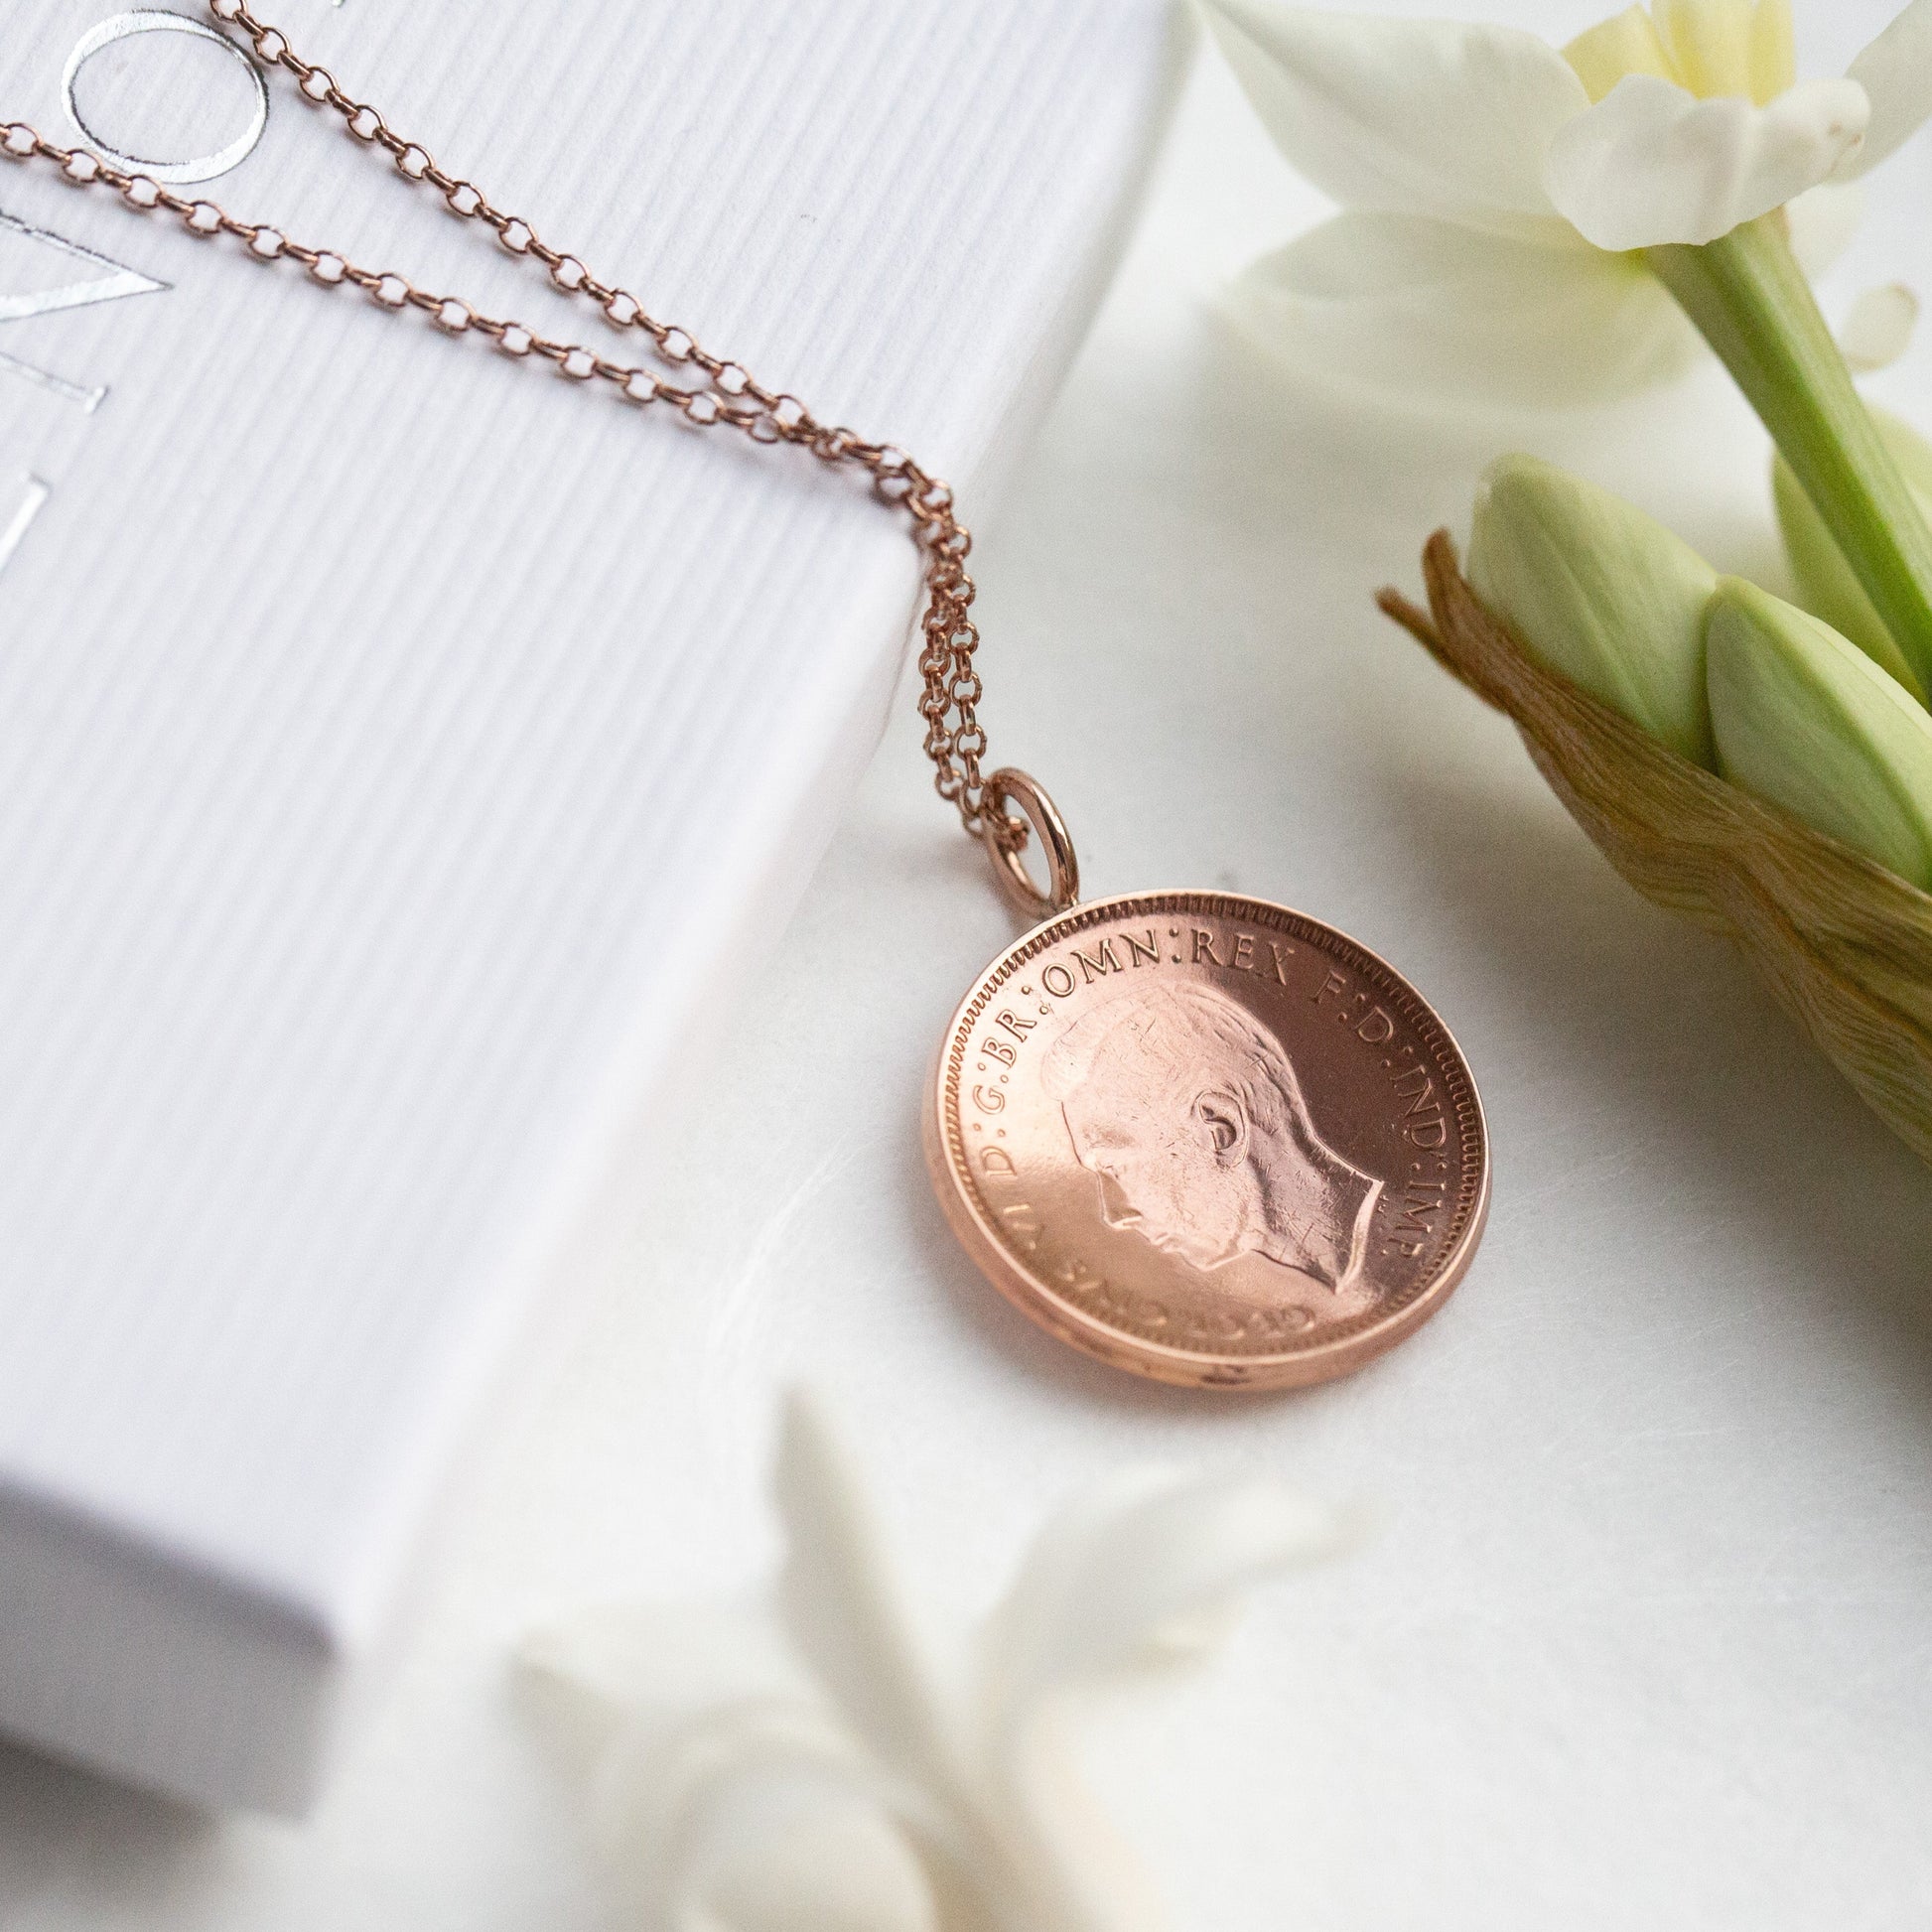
column 1749, row 298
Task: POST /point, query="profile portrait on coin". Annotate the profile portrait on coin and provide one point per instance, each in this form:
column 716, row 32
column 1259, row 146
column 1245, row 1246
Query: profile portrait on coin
column 1190, row 1114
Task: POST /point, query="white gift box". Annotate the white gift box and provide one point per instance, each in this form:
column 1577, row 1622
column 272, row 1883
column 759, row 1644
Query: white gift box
column 401, row 750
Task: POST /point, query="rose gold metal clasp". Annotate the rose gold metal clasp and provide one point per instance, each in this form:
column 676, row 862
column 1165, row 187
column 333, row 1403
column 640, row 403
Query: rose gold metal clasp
column 1006, row 838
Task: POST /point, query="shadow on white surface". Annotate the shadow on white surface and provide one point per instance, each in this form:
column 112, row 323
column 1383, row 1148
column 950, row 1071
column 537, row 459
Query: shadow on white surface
column 54, row 1821
column 1707, row 1089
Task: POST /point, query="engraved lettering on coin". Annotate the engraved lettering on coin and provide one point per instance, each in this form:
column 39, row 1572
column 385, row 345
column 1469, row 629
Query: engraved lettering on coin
column 1190, row 1115
column 1234, row 1149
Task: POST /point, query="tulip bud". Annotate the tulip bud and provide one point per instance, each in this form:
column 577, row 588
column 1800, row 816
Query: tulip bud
column 1599, row 592
column 1825, row 584
column 1809, row 722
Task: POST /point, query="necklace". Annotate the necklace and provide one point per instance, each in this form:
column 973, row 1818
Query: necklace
column 1202, row 1137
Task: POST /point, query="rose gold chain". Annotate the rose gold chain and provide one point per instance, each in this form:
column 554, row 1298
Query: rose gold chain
column 724, row 393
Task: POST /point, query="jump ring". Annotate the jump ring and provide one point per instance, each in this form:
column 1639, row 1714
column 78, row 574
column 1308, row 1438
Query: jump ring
column 1042, row 815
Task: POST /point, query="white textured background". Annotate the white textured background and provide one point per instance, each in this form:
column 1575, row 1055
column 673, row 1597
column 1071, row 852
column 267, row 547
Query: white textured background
column 1642, row 1640
column 396, row 744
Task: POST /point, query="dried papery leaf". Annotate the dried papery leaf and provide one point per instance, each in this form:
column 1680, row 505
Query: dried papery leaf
column 1844, row 944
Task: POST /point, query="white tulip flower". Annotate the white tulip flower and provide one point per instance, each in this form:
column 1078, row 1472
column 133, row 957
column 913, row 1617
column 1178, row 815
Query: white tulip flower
column 1519, row 219
column 821, row 1764
column 1495, row 190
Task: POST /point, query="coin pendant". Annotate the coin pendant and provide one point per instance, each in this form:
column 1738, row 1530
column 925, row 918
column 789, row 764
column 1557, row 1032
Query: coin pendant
column 1208, row 1140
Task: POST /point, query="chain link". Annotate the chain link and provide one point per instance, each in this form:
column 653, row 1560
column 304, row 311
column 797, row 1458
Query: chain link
column 722, row 393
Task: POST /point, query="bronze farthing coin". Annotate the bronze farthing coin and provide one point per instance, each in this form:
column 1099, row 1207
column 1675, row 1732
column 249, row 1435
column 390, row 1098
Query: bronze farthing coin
column 1208, row 1140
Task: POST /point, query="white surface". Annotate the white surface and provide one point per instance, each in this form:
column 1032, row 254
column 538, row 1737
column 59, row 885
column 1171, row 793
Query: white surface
column 1641, row 1641
column 401, row 749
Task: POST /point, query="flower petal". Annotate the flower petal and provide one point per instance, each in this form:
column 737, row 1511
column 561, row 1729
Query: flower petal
column 1142, row 1574
column 1895, row 72
column 759, row 1817
column 1626, row 42
column 1774, row 51
column 1415, row 116
column 841, row 1605
column 824, row 1865
column 1878, row 330
column 1650, row 164
column 1432, row 311
column 1710, row 42
column 1821, row 223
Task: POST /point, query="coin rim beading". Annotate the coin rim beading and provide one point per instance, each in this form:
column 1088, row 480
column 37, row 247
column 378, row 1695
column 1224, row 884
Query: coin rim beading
column 1357, row 1338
